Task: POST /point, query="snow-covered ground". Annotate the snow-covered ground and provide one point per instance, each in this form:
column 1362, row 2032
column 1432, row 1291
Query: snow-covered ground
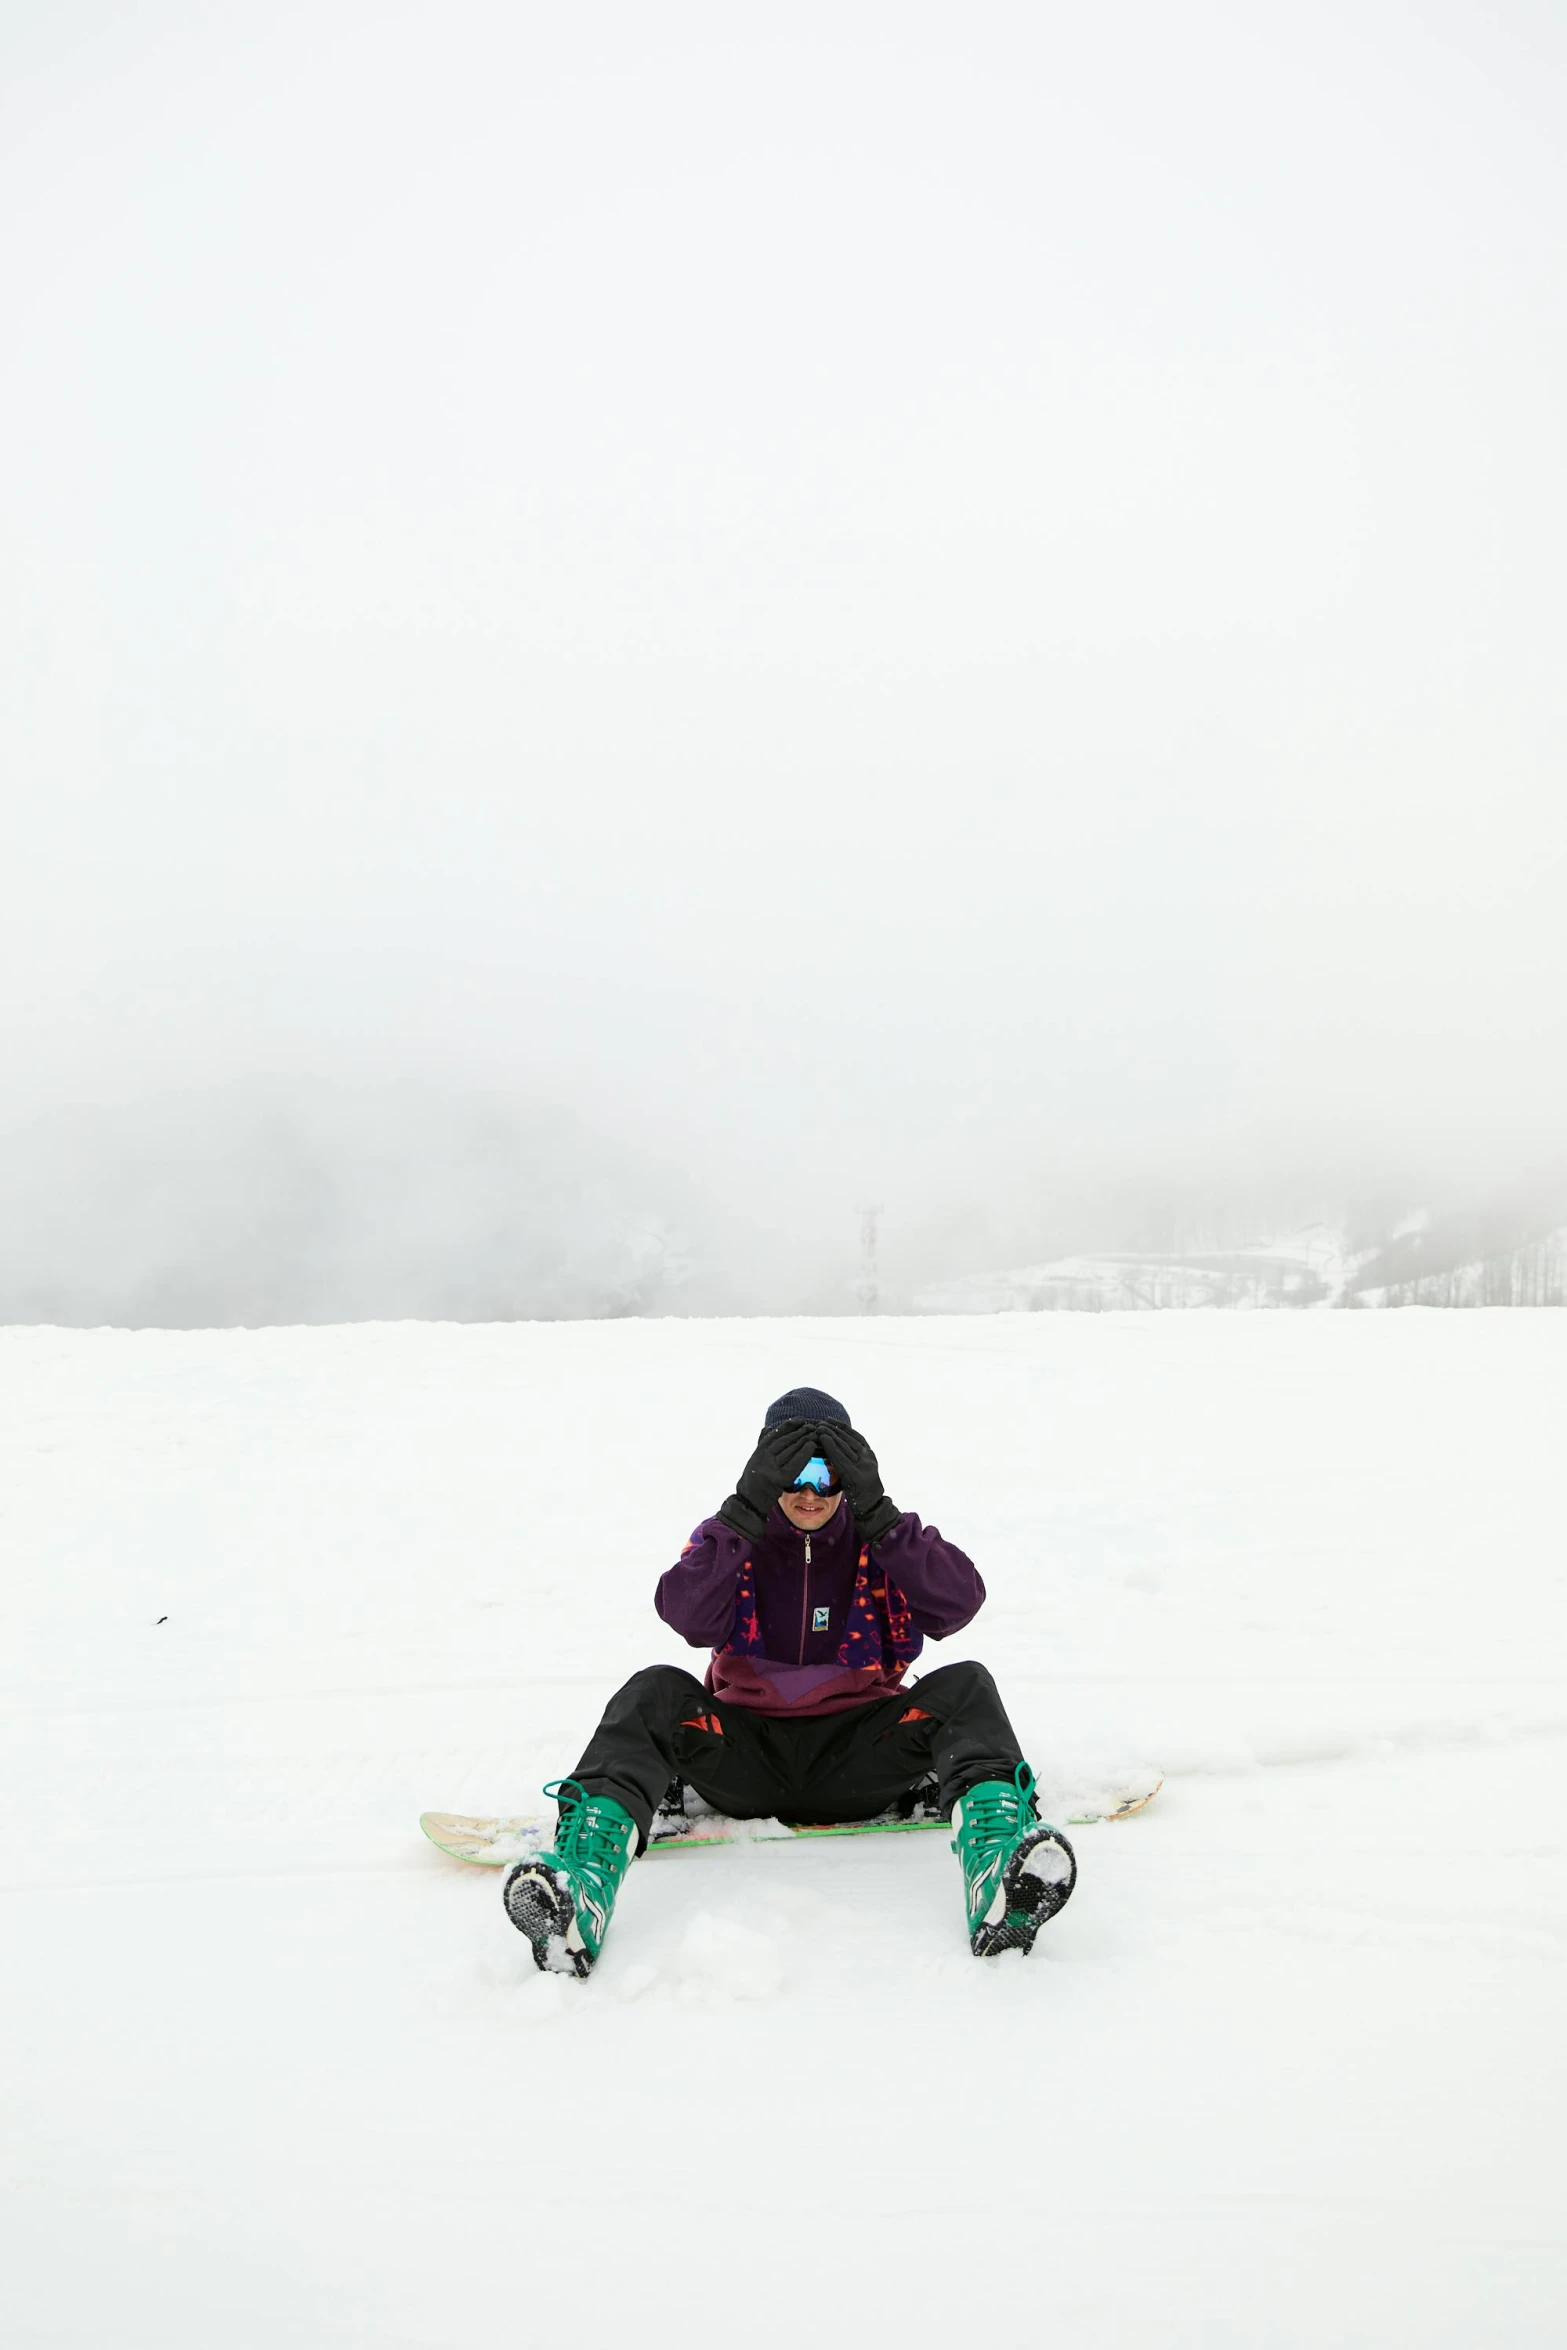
column 1288, row 2071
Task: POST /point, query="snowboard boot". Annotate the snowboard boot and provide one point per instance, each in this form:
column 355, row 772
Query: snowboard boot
column 922, row 1801
column 563, row 1900
column 1016, row 1871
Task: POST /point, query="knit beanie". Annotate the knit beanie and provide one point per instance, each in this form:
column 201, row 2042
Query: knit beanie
column 808, row 1404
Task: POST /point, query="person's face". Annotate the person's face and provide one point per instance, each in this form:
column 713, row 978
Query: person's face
column 804, row 1507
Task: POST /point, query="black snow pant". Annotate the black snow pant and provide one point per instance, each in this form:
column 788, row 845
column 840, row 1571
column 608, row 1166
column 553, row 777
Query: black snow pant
column 664, row 1725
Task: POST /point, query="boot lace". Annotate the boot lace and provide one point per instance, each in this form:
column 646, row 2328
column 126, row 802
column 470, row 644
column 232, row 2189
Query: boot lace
column 585, row 1839
column 997, row 1810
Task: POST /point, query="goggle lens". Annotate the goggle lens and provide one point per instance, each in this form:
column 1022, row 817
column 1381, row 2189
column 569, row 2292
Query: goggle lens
column 818, row 1475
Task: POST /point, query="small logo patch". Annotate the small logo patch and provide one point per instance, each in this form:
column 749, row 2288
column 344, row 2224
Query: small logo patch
column 820, row 1619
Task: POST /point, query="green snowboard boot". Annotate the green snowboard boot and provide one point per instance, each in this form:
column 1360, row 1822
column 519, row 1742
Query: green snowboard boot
column 563, row 1900
column 1016, row 1871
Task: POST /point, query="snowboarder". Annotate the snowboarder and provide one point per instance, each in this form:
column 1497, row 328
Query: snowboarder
column 815, row 1593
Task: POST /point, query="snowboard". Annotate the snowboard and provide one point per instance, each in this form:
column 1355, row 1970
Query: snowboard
column 495, row 1843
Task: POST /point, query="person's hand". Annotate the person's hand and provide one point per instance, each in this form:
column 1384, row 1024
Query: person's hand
column 860, row 1478
column 781, row 1453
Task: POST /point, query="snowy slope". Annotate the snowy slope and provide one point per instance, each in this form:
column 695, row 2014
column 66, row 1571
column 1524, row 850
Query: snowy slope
column 1288, row 2071
column 1451, row 1265
column 1304, row 1268
column 1475, row 1258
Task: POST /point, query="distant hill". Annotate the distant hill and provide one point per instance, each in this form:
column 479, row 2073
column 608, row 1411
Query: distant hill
column 1477, row 1258
column 1495, row 1257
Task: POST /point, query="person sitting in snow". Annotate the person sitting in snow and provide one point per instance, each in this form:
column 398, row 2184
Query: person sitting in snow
column 815, row 1594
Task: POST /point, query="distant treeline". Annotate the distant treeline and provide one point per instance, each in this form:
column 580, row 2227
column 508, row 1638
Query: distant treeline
column 1532, row 1274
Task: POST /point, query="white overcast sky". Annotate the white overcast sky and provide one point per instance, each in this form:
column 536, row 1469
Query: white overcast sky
column 875, row 600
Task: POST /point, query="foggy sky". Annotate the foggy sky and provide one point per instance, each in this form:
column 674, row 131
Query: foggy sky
column 625, row 630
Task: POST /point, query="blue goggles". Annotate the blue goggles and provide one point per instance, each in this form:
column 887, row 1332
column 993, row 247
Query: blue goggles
column 818, row 1475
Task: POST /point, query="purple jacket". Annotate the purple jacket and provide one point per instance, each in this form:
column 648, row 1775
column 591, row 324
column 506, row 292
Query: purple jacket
column 804, row 1586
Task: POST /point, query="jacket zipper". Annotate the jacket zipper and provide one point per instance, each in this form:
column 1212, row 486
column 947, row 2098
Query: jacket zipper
column 805, row 1595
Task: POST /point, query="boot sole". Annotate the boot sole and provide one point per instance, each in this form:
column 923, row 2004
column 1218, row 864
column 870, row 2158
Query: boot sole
column 542, row 1909
column 1031, row 1900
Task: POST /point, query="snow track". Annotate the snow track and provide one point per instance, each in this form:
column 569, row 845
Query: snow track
column 1288, row 2070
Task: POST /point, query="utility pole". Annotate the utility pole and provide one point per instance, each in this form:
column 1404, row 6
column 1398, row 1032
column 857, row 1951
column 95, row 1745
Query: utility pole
column 869, row 1291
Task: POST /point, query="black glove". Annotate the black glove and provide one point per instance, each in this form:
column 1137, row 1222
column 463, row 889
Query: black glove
column 860, row 1478
column 781, row 1453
